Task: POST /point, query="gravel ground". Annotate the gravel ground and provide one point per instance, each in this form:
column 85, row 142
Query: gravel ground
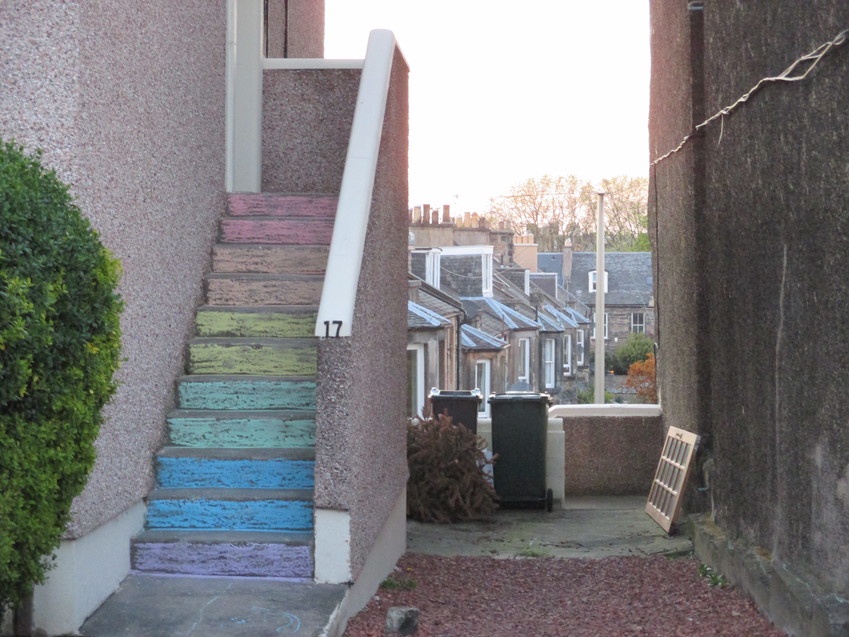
column 536, row 597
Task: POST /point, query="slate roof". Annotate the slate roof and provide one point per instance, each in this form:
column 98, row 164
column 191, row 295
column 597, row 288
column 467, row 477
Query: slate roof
column 511, row 318
column 472, row 338
column 419, row 317
column 629, row 277
column 564, row 317
column 550, row 262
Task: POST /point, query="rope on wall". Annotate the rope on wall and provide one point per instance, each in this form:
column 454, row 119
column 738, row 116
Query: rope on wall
column 799, row 70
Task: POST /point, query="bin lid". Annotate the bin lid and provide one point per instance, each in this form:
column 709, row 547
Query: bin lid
column 456, row 393
column 524, row 396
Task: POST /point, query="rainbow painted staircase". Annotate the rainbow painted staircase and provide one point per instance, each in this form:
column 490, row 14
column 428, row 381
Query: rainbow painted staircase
column 234, row 492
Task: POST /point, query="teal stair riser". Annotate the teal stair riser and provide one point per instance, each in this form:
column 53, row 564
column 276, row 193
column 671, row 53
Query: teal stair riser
column 246, row 394
column 240, row 433
column 178, row 473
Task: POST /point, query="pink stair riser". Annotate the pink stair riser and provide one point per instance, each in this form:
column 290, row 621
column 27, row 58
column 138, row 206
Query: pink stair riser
column 275, row 205
column 296, row 231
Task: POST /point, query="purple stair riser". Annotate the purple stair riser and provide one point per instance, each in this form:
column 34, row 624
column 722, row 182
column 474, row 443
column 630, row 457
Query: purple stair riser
column 224, row 559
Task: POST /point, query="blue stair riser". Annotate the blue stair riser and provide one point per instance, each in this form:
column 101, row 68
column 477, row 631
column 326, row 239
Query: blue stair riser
column 249, row 559
column 210, row 514
column 276, row 473
column 241, row 433
column 246, row 394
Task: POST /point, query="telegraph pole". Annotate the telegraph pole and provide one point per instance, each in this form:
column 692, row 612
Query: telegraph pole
column 599, row 304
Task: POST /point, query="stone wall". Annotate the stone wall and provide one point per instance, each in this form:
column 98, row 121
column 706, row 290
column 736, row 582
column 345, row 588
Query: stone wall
column 749, row 224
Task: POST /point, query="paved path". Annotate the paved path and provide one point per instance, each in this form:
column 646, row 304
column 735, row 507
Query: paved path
column 151, row 606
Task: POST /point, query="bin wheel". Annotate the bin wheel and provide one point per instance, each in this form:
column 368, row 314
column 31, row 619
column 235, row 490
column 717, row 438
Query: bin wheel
column 549, row 500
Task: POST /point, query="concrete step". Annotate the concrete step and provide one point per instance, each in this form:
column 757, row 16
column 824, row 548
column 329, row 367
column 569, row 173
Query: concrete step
column 274, row 321
column 270, row 259
column 234, row 393
column 267, row 204
column 242, row 429
column 276, row 231
column 223, row 553
column 252, row 356
column 231, row 509
column 253, row 290
column 192, row 468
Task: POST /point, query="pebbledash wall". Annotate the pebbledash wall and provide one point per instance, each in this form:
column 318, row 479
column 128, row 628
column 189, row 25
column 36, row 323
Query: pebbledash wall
column 127, row 101
column 752, row 249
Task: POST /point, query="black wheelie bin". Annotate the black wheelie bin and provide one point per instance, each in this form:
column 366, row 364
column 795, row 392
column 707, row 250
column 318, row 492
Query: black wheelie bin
column 519, row 428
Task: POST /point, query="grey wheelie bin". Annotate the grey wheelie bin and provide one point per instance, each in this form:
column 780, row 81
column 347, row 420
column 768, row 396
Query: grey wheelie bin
column 461, row 405
column 519, row 427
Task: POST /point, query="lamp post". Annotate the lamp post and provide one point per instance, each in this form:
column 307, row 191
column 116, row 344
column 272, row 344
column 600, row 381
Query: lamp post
column 599, row 304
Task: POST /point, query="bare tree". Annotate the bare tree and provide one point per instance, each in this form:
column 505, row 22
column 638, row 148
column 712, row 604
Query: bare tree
column 552, row 208
column 558, row 208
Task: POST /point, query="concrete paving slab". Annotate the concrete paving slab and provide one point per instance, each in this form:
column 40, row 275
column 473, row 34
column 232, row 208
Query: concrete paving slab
column 580, row 527
column 161, row 606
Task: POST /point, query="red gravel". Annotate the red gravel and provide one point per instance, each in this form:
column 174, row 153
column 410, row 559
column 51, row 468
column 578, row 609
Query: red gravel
column 470, row 596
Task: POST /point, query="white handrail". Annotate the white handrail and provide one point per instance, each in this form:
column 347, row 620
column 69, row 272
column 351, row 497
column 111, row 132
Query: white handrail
column 336, row 310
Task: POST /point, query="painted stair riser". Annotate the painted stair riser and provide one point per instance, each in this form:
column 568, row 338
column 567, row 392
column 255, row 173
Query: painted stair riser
column 224, row 559
column 276, row 473
column 241, row 433
column 277, row 231
column 268, row 359
column 255, row 324
column 210, row 514
column 276, row 205
column 237, row 394
column 236, row 291
column 269, row 259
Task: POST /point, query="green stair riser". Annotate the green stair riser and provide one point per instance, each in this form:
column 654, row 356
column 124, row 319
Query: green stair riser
column 258, row 360
column 236, row 433
column 255, row 324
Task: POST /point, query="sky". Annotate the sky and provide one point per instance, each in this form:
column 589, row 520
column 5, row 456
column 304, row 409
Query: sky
column 504, row 91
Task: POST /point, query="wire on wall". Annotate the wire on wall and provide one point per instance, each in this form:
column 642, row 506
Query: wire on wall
column 799, row 70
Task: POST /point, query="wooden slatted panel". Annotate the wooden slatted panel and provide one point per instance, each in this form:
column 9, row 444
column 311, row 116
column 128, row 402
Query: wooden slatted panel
column 673, row 470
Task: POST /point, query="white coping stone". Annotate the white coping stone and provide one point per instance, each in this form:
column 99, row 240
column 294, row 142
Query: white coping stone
column 611, row 409
column 87, row 571
column 332, row 546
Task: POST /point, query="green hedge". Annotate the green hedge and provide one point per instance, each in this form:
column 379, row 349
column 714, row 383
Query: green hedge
column 59, row 348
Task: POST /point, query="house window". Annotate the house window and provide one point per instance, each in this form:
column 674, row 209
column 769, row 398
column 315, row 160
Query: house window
column 483, row 382
column 524, row 360
column 548, row 362
column 415, row 380
column 638, row 323
column 592, row 336
column 580, row 347
column 567, row 355
column 432, row 268
column 592, row 282
column 486, row 269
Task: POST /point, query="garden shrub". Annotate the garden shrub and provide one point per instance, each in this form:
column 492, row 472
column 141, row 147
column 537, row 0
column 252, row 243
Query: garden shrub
column 59, row 348
column 448, row 481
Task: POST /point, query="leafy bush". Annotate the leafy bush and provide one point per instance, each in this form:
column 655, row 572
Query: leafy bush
column 587, row 396
column 448, row 482
column 636, row 348
column 59, row 348
column 642, row 378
